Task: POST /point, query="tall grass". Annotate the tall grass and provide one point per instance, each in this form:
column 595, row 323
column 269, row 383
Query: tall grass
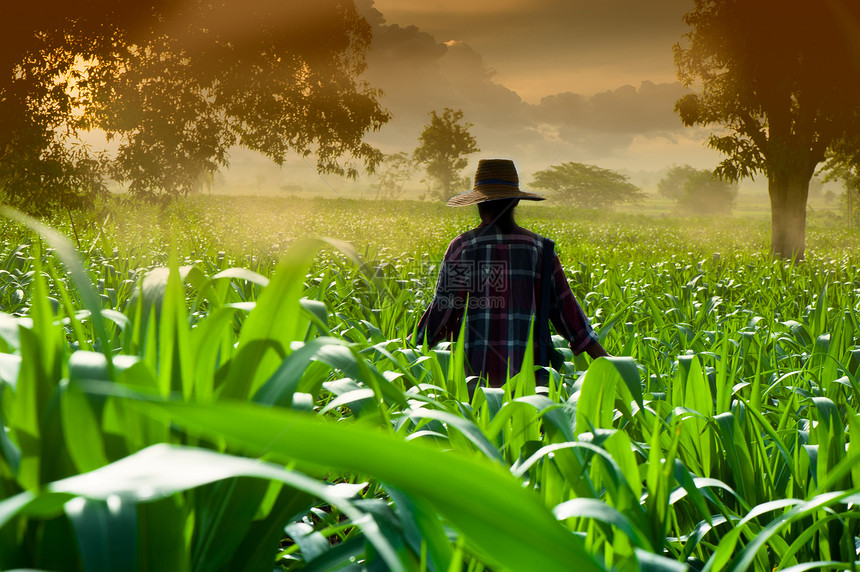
column 226, row 403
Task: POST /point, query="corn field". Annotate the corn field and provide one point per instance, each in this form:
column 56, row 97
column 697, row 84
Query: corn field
column 205, row 388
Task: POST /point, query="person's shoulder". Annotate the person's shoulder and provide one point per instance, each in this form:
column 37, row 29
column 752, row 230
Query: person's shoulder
column 529, row 237
column 458, row 244
column 465, row 237
column 479, row 233
column 487, row 234
column 524, row 232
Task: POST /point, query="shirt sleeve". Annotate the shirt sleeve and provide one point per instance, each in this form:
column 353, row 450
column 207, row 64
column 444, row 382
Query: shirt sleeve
column 443, row 317
column 566, row 314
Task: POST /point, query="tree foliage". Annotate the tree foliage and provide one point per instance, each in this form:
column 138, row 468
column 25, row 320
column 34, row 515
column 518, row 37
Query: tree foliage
column 586, row 186
column 780, row 78
column 443, row 147
column 174, row 85
column 393, row 172
column 671, row 186
column 698, row 191
column 706, row 194
column 843, row 163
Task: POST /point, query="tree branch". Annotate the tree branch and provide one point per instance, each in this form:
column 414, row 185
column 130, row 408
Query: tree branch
column 753, row 130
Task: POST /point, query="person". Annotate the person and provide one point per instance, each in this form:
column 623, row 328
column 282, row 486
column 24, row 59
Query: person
column 502, row 278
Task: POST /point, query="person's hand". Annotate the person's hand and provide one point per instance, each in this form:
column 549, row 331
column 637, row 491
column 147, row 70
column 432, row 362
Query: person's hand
column 595, row 350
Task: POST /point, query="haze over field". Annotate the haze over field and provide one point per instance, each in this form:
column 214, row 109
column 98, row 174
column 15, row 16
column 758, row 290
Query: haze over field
column 542, row 82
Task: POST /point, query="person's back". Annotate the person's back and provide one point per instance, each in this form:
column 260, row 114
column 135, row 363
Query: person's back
column 492, row 276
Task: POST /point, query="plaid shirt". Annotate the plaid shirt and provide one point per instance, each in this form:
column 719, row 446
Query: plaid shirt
column 494, row 280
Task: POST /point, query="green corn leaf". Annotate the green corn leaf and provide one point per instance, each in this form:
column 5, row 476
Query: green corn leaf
column 9, row 331
column 106, row 532
column 621, row 450
column 650, row 562
column 67, row 253
column 800, row 510
column 854, row 447
column 32, row 504
column 503, row 521
column 311, row 542
column 10, row 366
column 318, row 313
column 830, row 436
column 464, row 426
column 81, row 429
column 175, row 366
column 553, row 415
column 211, row 345
column 255, row 550
column 278, row 317
column 819, row 565
column 456, row 380
column 596, row 404
column 32, row 394
column 423, row 527
column 162, row 535
column 162, row 470
column 737, row 455
column 242, row 274
column 597, row 510
column 279, row 389
column 223, row 513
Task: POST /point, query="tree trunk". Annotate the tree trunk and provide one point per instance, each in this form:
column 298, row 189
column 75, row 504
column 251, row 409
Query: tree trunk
column 788, row 191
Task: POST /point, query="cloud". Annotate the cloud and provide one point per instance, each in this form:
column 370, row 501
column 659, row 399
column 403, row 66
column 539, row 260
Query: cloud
column 417, row 74
column 649, row 109
column 565, row 22
column 606, row 125
column 577, row 45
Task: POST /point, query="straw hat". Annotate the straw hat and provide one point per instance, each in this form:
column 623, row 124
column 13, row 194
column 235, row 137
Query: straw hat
column 495, row 179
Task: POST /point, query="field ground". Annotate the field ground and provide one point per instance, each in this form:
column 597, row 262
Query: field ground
column 245, row 224
column 201, row 386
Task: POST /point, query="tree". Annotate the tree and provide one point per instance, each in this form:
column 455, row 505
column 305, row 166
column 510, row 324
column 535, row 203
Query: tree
column 671, row 186
column 705, row 194
column 816, row 186
column 442, row 149
column 395, row 169
column 586, row 186
column 843, row 164
column 174, row 85
column 697, row 191
column 781, row 78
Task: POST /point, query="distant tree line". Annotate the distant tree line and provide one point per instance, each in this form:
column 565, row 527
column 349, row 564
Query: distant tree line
column 175, row 85
column 444, row 145
column 779, row 79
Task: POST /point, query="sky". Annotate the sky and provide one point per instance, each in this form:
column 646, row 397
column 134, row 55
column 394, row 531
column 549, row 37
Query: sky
column 544, row 47
column 541, row 81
